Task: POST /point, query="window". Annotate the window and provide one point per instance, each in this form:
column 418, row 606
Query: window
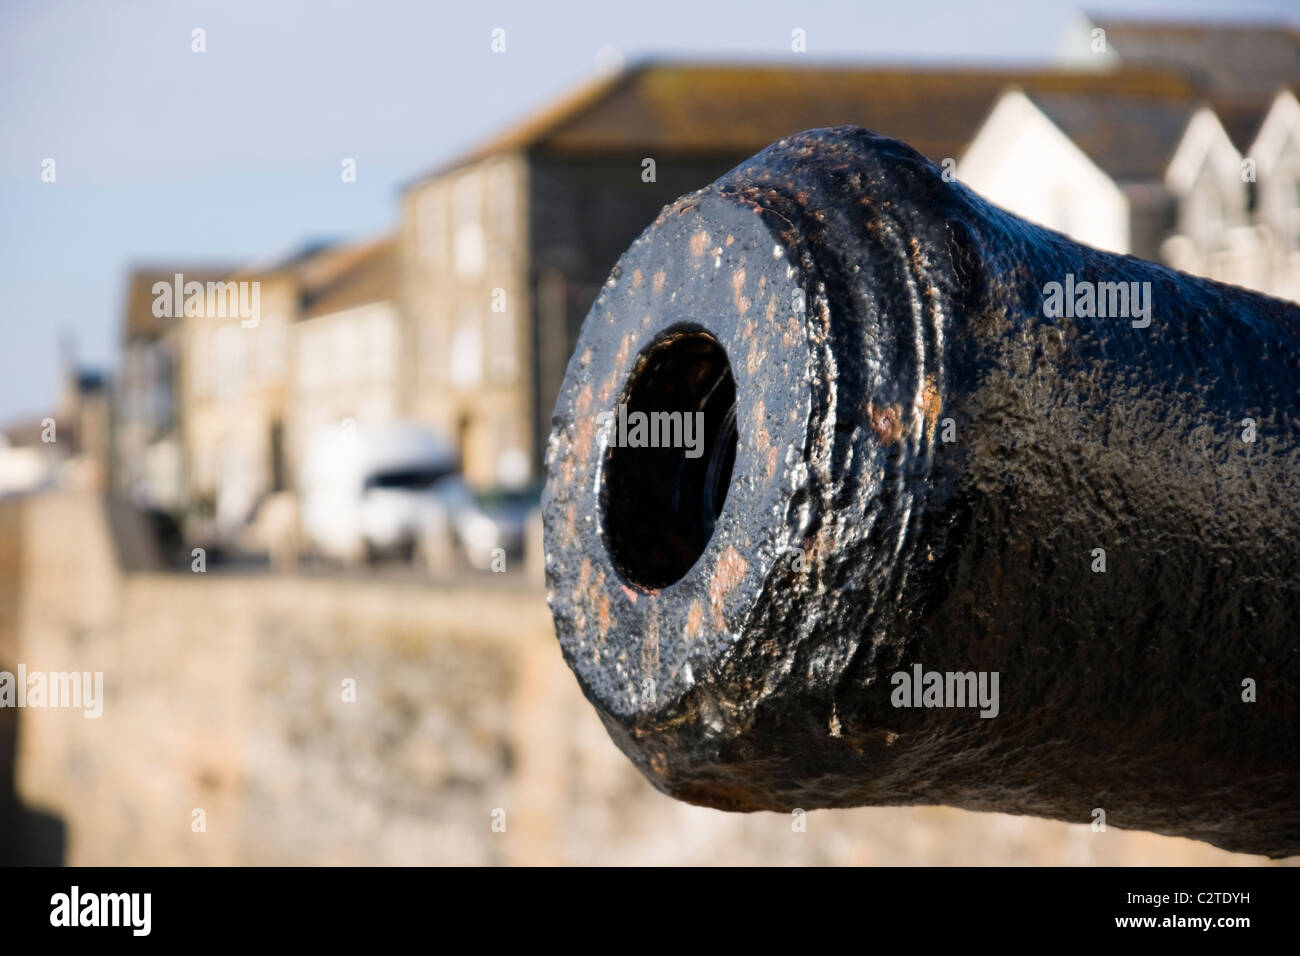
column 503, row 364
column 470, row 250
column 502, row 200
column 465, row 357
column 431, row 225
column 227, row 361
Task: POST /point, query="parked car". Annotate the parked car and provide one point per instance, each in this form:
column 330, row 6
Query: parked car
column 493, row 522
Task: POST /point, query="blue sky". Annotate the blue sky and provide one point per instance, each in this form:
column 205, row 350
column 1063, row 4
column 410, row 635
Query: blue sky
column 166, row 155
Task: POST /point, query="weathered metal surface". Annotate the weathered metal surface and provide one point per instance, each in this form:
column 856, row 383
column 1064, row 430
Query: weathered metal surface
column 924, row 466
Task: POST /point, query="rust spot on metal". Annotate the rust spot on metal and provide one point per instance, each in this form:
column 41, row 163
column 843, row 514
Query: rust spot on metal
column 729, row 573
column 699, row 242
column 583, row 404
column 603, row 616
column 694, row 620
column 887, row 423
column 737, row 290
column 931, row 403
column 793, row 331
column 761, row 435
column 585, row 427
column 584, row 579
column 583, row 434
column 620, row 367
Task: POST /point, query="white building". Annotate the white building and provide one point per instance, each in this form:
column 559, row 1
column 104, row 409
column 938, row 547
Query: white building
column 1206, row 180
column 346, row 351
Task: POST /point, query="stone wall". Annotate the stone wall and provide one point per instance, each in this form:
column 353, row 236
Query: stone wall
column 225, row 692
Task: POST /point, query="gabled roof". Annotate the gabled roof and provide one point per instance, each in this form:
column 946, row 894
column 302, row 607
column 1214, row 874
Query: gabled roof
column 661, row 108
column 1236, row 59
column 1268, row 144
column 1241, row 119
column 312, row 268
column 369, row 275
column 307, row 258
column 1130, row 138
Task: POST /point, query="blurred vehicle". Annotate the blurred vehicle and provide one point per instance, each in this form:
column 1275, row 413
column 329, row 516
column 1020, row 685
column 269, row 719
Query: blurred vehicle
column 367, row 491
column 491, row 524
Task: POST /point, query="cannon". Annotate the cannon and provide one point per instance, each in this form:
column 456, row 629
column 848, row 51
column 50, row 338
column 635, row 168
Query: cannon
column 978, row 516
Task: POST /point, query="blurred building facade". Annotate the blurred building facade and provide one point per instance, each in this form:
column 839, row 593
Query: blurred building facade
column 1204, row 179
column 148, row 454
column 237, row 376
column 345, row 349
column 1178, row 144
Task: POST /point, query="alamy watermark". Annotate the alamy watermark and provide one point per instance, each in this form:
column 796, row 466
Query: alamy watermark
column 656, row 430
column 211, row 300
column 64, row 689
column 1086, row 299
column 75, row 908
column 922, row 688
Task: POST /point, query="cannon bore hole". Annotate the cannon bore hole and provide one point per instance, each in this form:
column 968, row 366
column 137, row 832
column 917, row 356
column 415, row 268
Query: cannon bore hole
column 672, row 445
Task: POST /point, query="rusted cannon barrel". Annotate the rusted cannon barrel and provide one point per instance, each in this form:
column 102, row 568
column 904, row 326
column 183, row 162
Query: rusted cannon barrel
column 952, row 510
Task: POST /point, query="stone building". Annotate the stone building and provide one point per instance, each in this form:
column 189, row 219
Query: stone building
column 346, row 349
column 502, row 251
column 148, row 466
column 236, row 382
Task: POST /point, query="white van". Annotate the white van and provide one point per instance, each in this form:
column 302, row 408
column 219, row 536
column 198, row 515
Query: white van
column 371, row 490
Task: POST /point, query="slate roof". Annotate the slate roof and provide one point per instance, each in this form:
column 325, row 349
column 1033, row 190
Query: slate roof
column 683, row 108
column 369, row 275
column 1131, row 138
column 1237, row 60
